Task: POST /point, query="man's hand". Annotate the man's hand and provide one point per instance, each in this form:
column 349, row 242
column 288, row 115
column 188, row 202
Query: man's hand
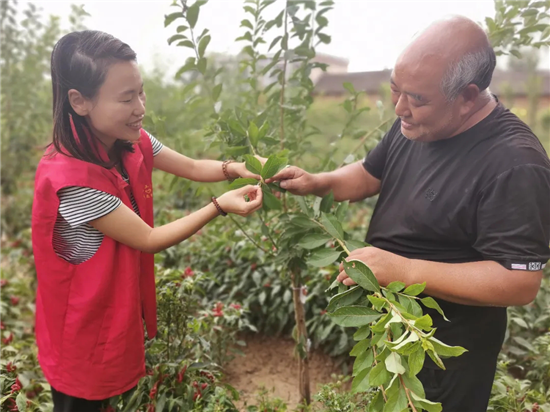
column 386, row 266
column 297, row 181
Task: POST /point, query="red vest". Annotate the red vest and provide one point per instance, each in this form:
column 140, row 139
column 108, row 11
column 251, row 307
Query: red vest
column 89, row 326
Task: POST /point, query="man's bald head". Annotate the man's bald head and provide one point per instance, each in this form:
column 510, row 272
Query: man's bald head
column 458, row 51
column 441, row 79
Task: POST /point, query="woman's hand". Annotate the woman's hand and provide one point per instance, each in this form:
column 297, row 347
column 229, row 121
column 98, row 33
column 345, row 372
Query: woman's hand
column 236, row 169
column 235, row 202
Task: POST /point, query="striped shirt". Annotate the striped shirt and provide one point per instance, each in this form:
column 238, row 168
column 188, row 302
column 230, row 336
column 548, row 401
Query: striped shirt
column 74, row 239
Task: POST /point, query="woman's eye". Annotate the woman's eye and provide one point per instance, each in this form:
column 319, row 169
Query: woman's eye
column 126, row 101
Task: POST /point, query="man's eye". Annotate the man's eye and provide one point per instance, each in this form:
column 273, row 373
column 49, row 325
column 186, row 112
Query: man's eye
column 126, row 101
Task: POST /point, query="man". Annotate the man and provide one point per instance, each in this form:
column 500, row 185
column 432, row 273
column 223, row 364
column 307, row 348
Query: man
column 464, row 203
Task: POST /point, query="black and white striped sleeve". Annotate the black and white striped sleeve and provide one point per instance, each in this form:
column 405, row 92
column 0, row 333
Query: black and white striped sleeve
column 79, row 205
column 157, row 146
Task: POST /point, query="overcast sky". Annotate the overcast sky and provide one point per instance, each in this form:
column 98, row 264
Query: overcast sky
column 370, row 33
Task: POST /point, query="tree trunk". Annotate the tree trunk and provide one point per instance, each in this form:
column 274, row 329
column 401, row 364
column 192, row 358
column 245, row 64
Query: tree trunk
column 301, row 339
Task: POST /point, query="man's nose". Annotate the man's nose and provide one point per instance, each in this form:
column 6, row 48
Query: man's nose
column 402, row 107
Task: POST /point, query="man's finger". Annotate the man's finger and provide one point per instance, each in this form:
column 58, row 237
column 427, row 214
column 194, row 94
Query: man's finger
column 287, row 173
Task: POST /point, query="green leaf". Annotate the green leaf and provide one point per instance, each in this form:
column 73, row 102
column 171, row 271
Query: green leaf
column 241, row 182
column 189, row 65
column 516, row 53
column 354, row 316
column 347, row 106
column 393, row 364
column 361, row 275
column 327, row 202
column 160, row 403
column 273, row 165
column 414, row 290
column 201, row 65
column 446, row 351
column 303, row 221
column 181, row 29
column 410, row 305
column 246, row 23
column 363, row 332
column 341, row 211
column 274, row 42
column 314, row 240
column 236, row 127
column 426, row 404
column 237, row 150
column 363, row 361
column 377, row 303
column 361, row 382
column 203, row 44
column 253, row 134
column 349, row 87
column 186, row 43
column 270, row 202
column 401, row 346
column 253, row 164
column 377, row 403
column 395, row 286
column 263, row 130
column 414, row 384
column 332, row 226
column 345, row 298
column 324, row 38
column 379, row 375
column 360, row 348
column 193, row 14
column 425, row 322
column 216, row 91
column 21, row 401
column 435, row 357
column 168, row 19
column 175, row 37
column 397, row 398
column 432, row 304
column 323, row 257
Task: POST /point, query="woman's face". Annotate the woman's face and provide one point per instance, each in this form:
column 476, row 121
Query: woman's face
column 119, row 106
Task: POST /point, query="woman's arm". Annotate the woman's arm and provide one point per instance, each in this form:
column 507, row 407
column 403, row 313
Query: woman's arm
column 177, row 164
column 124, row 226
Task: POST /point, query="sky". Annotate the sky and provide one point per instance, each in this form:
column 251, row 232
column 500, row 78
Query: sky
column 370, row 33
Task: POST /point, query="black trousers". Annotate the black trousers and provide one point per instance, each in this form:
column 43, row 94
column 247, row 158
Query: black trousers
column 66, row 403
column 464, row 389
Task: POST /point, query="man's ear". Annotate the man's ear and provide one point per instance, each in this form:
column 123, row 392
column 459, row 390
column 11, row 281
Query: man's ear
column 469, row 97
column 79, row 104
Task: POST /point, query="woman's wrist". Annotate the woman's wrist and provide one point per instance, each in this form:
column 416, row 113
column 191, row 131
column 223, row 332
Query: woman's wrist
column 229, row 169
column 219, row 207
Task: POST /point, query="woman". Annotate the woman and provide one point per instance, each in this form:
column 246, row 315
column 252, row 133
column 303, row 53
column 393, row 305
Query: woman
column 92, row 222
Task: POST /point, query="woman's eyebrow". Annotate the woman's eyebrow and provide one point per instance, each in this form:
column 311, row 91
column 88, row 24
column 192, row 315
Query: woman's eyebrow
column 130, row 91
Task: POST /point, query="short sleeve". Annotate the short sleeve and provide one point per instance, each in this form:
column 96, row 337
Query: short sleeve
column 513, row 218
column 79, row 205
column 375, row 161
column 157, row 146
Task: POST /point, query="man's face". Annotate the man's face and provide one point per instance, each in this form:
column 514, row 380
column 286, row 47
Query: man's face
column 425, row 113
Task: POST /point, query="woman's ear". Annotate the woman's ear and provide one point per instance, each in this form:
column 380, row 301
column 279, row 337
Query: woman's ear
column 78, row 102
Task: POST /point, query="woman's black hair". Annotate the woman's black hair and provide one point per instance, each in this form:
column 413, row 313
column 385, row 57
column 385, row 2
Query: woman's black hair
column 80, row 61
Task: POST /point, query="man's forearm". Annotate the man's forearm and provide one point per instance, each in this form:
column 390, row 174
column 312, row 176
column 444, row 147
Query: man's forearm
column 485, row 283
column 350, row 182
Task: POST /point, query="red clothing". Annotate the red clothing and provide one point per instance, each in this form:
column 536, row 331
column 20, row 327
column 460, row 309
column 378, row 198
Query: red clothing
column 89, row 326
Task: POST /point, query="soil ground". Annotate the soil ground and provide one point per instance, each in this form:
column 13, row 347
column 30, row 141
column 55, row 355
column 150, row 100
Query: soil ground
column 269, row 362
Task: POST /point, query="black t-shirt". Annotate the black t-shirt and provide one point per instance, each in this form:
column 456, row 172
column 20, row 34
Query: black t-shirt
column 481, row 195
